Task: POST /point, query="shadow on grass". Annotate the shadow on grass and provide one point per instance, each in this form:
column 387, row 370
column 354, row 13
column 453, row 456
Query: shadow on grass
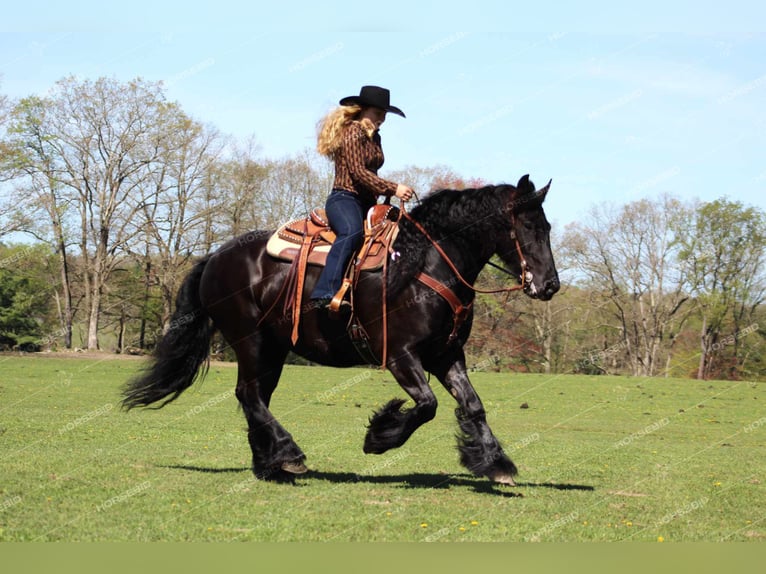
column 556, row 486
column 205, row 468
column 411, row 480
column 437, row 481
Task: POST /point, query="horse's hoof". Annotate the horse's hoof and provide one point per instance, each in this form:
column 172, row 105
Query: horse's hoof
column 294, row 467
column 502, row 478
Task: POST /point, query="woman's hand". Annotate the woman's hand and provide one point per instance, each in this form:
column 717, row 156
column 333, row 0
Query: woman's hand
column 404, row 192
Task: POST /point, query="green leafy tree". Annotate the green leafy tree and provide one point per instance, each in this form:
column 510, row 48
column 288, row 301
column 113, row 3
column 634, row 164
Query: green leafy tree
column 24, row 297
column 723, row 250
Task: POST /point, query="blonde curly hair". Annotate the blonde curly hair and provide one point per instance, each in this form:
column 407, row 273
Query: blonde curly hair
column 330, row 128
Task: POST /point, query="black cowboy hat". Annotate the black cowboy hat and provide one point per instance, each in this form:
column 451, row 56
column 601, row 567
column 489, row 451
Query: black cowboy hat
column 373, row 96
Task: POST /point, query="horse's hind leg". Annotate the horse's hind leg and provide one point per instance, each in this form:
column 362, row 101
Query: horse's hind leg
column 276, row 456
column 390, row 427
column 480, row 451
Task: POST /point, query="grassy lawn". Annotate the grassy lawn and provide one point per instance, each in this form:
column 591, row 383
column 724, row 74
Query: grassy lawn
column 600, row 458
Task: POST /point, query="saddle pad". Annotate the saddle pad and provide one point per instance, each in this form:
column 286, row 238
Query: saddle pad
column 287, row 250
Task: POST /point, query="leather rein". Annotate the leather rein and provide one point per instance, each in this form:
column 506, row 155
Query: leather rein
column 459, row 310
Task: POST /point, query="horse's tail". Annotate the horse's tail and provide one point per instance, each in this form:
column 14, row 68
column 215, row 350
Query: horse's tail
column 183, row 349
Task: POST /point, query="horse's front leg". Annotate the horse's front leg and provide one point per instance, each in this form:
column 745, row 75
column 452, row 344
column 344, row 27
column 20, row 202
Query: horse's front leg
column 391, row 426
column 480, row 451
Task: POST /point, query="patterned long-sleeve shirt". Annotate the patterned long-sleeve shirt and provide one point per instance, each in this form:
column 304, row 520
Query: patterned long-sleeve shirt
column 357, row 163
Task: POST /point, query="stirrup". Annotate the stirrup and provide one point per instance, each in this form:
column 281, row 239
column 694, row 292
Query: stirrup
column 338, row 301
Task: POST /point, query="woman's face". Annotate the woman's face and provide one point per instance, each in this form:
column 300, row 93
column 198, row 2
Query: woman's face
column 375, row 115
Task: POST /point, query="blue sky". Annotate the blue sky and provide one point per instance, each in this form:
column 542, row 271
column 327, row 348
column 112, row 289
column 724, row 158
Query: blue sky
column 613, row 104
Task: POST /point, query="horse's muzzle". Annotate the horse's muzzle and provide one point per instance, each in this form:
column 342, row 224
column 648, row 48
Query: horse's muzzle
column 550, row 288
column 546, row 293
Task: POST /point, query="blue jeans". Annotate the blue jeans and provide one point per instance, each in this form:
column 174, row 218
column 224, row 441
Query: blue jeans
column 345, row 213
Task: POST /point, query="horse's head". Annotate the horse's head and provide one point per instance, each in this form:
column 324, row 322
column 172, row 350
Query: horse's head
column 527, row 249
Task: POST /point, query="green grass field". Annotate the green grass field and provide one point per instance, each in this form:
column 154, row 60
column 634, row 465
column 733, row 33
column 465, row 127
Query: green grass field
column 600, row 458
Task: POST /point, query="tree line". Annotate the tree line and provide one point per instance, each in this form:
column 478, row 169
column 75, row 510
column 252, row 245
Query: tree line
column 656, row 287
column 119, row 190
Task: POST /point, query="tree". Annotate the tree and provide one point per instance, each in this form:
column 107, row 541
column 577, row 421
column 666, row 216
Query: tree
column 628, row 256
column 261, row 194
column 291, row 188
column 24, row 301
column 173, row 212
column 92, row 144
column 4, row 119
column 238, row 180
column 723, row 253
column 39, row 205
column 124, row 306
column 425, row 180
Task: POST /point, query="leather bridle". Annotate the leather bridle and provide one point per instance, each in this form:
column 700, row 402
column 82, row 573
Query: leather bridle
column 514, row 236
column 459, row 310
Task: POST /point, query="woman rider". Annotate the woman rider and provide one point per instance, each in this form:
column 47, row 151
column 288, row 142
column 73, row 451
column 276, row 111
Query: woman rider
column 349, row 137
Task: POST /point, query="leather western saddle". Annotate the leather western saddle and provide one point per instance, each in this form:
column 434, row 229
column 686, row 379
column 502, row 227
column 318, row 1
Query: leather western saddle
column 308, row 240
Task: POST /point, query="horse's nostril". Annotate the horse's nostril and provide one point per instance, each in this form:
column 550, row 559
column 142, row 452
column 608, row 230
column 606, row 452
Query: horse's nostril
column 552, row 286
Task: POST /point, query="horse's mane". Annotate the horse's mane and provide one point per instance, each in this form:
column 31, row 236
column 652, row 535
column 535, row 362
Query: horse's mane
column 462, row 215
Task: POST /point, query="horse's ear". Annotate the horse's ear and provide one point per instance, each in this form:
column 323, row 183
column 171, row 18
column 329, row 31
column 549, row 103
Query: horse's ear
column 541, row 193
column 524, row 185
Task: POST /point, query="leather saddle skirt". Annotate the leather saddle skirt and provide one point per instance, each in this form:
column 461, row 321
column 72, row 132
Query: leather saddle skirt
column 287, row 241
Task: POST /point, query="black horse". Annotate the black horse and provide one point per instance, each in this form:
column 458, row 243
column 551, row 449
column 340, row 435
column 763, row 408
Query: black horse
column 450, row 236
